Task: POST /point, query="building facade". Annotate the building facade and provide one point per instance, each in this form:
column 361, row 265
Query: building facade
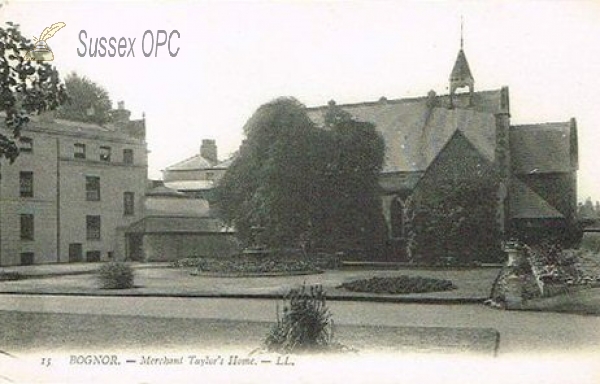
column 439, row 140
column 72, row 191
column 178, row 221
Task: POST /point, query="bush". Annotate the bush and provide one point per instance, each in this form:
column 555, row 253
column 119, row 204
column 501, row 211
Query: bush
column 399, row 284
column 116, row 275
column 305, row 324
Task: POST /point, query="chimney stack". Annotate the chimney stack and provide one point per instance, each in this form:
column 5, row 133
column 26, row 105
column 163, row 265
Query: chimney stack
column 208, row 150
column 121, row 115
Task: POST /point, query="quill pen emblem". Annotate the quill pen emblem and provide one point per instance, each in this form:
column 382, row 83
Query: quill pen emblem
column 41, row 51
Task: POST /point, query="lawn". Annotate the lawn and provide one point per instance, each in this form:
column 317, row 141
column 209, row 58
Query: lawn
column 584, row 302
column 471, row 284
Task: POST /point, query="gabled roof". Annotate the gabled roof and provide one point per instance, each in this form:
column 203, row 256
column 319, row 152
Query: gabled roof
column 541, row 148
column 526, row 204
column 415, row 132
column 461, row 70
column 194, row 163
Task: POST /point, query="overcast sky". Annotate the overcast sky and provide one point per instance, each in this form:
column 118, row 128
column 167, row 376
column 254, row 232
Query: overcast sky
column 235, row 56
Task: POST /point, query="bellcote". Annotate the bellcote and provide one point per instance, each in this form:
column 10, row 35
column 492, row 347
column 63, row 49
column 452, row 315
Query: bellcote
column 461, row 76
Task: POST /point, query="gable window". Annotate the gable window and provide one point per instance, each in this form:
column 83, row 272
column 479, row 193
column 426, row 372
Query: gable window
column 79, row 151
column 26, row 184
column 26, row 226
column 128, row 156
column 26, row 145
column 92, row 188
column 93, row 227
column 128, row 203
column 105, row 153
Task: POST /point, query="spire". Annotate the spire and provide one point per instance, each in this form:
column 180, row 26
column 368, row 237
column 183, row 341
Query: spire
column 461, row 73
column 461, row 32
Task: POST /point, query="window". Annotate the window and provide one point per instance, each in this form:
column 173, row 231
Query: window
column 105, row 153
column 128, row 203
column 26, row 184
column 26, row 226
column 92, row 256
column 79, row 151
column 27, row 258
column 209, row 175
column 93, row 227
column 128, row 156
column 26, row 145
column 92, row 188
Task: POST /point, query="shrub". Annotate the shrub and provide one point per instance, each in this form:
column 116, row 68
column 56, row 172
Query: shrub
column 398, row 285
column 116, row 275
column 305, row 324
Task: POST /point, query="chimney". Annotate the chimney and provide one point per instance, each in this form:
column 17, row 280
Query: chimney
column 121, row 115
column 208, row 150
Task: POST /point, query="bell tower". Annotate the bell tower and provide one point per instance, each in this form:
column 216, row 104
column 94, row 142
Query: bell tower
column 461, row 74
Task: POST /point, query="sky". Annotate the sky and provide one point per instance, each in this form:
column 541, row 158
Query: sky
column 235, row 56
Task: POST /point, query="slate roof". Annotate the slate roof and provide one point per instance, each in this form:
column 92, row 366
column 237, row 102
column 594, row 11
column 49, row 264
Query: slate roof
column 541, row 148
column 461, row 70
column 194, row 163
column 133, row 130
column 415, row 132
column 526, row 204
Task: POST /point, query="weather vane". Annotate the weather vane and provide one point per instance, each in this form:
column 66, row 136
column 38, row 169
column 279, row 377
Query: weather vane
column 41, row 50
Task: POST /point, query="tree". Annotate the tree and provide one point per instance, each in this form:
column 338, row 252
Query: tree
column 460, row 224
column 350, row 195
column 304, row 184
column 269, row 183
column 89, row 102
column 26, row 87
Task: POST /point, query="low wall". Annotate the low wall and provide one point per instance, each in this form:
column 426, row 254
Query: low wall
column 171, row 247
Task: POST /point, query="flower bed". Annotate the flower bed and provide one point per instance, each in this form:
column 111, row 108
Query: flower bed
column 283, row 262
column 398, row 285
column 243, row 265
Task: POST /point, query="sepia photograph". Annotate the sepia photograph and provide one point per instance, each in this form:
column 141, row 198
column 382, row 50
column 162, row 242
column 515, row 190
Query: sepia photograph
column 299, row 191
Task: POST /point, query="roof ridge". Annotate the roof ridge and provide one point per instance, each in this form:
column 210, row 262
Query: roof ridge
column 393, row 101
column 188, row 159
column 568, row 122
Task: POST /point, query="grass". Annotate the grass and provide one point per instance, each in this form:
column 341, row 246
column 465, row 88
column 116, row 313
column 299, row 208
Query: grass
column 583, row 302
column 69, row 333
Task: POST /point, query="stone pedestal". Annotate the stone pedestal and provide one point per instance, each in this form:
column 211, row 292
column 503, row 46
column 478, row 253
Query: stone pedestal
column 514, row 292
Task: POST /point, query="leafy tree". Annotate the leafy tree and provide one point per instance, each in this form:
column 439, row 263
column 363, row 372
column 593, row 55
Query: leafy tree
column 461, row 224
column 26, row 87
column 269, row 183
column 303, row 184
column 350, row 195
column 89, row 102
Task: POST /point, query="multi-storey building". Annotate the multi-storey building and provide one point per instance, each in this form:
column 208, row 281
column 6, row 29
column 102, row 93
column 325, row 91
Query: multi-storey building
column 72, row 191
